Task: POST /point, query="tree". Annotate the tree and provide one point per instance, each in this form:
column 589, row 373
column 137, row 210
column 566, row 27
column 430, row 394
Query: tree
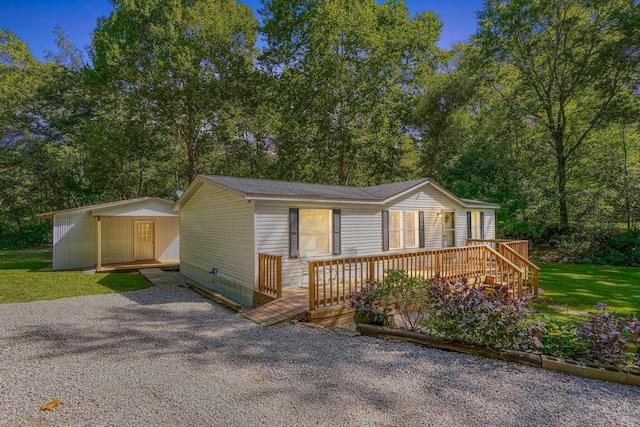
column 444, row 102
column 345, row 70
column 576, row 63
column 42, row 107
column 181, row 58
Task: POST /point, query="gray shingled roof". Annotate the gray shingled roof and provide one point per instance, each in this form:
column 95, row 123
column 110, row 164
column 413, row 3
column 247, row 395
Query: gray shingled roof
column 269, row 187
column 255, row 189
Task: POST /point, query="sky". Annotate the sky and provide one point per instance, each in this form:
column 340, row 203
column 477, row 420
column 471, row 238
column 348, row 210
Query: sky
column 34, row 20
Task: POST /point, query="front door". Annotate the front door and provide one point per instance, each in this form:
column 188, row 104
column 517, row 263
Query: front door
column 449, row 226
column 143, row 247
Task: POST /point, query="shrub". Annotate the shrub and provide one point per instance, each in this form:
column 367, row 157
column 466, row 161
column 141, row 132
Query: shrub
column 369, row 303
column 485, row 316
column 409, row 297
column 609, row 247
column 611, row 340
column 562, row 341
column 399, row 293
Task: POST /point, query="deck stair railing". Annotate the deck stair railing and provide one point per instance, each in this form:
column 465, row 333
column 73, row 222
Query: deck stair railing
column 516, row 251
column 332, row 281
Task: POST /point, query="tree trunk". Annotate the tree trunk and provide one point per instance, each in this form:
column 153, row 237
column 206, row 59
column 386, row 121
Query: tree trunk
column 562, row 192
column 626, row 181
column 191, row 146
column 343, row 178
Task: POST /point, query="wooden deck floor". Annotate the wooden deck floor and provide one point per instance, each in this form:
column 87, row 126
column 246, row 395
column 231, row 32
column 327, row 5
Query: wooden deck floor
column 135, row 265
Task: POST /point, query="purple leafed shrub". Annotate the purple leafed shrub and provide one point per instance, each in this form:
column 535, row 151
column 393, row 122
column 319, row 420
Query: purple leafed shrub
column 485, row 316
column 611, row 340
column 368, row 303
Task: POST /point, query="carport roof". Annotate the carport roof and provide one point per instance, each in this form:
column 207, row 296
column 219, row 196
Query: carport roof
column 138, row 207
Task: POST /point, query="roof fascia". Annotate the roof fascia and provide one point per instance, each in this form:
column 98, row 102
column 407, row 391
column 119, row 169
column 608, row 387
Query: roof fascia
column 443, row 191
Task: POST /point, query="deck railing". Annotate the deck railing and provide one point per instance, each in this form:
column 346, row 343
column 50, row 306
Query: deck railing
column 270, row 274
column 520, row 246
column 331, row 282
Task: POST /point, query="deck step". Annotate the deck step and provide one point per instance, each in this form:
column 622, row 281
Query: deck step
column 279, row 311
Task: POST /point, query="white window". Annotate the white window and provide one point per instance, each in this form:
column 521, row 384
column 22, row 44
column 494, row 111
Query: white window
column 404, row 229
column 412, row 229
column 315, row 231
column 396, row 231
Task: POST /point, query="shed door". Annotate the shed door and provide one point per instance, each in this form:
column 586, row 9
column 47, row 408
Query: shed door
column 143, row 247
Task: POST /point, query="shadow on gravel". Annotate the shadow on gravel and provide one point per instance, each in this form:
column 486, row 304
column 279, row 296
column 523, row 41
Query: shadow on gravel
column 210, row 338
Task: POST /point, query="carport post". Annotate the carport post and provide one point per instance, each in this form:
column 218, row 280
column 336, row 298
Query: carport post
column 99, row 248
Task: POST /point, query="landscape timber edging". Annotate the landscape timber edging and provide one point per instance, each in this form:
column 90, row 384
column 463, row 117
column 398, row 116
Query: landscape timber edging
column 569, row 367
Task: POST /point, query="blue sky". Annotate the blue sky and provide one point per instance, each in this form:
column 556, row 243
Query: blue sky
column 33, row 20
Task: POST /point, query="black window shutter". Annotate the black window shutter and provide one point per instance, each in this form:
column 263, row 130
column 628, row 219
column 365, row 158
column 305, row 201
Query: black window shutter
column 421, row 228
column 482, row 225
column 469, row 229
column 293, row 233
column 337, row 227
column 385, row 230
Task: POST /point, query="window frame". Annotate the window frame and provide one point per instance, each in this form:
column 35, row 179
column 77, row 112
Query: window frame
column 333, row 233
column 401, row 234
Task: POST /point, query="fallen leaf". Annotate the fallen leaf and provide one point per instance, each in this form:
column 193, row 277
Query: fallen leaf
column 49, row 406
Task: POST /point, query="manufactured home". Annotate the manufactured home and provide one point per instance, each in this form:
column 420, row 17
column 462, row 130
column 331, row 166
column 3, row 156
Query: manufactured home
column 134, row 232
column 238, row 234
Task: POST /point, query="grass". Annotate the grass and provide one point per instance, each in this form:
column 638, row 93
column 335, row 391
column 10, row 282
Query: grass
column 22, row 281
column 580, row 287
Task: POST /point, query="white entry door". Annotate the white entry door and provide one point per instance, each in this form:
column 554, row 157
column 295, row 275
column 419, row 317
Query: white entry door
column 144, row 242
column 449, row 228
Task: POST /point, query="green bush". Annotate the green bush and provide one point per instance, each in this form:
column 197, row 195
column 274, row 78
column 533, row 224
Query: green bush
column 398, row 293
column 562, row 341
column 606, row 247
column 32, row 235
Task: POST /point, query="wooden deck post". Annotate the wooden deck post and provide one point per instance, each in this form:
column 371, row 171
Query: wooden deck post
column 279, row 277
column 261, row 262
column 312, row 287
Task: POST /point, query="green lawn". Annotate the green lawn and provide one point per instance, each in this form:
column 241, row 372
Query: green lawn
column 22, row 281
column 580, row 287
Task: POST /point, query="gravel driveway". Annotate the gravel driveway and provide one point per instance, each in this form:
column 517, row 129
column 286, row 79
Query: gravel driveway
column 166, row 356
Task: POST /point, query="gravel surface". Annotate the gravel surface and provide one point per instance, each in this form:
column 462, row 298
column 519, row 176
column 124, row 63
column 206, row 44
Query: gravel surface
column 166, row 356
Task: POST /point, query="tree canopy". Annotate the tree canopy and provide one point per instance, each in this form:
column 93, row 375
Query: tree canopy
column 538, row 112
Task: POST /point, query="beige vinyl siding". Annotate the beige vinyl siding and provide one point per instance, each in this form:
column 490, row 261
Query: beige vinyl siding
column 361, row 227
column 74, row 240
column 167, row 238
column 433, row 203
column 361, row 231
column 118, row 235
column 461, row 226
column 216, row 230
column 489, row 224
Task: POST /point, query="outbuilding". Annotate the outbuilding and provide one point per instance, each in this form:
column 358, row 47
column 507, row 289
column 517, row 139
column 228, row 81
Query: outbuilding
column 133, row 232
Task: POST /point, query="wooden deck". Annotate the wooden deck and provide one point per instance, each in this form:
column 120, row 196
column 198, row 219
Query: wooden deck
column 333, row 280
column 136, row 265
